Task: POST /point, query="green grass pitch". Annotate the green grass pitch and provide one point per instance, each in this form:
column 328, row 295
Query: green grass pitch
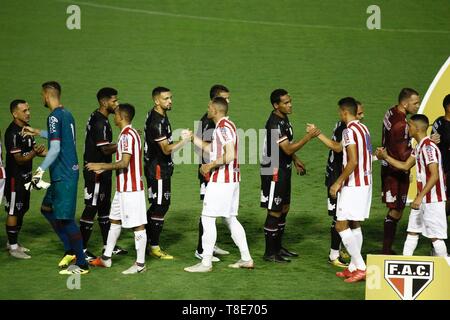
column 319, row 51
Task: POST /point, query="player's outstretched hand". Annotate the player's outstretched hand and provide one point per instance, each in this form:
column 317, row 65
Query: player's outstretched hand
column 309, row 127
column 186, row 134
column 381, row 153
column 39, row 149
column 29, row 131
column 96, row 167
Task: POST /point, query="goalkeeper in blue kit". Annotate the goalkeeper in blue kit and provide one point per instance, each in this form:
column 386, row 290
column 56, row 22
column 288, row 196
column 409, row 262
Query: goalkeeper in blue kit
column 59, row 203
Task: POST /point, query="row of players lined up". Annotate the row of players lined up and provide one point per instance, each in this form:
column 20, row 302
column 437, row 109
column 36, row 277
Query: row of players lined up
column 346, row 175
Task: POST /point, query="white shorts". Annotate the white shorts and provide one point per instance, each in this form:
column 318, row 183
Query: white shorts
column 2, row 189
column 353, row 203
column 221, row 199
column 430, row 220
column 129, row 207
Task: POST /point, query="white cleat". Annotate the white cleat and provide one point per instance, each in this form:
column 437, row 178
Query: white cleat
column 243, row 264
column 134, row 269
column 220, row 252
column 19, row 254
column 199, row 267
column 200, row 257
column 23, row 249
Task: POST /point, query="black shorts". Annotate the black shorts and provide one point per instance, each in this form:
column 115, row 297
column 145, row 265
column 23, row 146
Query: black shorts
column 276, row 190
column 159, row 192
column 447, row 185
column 17, row 197
column 97, row 189
column 332, row 203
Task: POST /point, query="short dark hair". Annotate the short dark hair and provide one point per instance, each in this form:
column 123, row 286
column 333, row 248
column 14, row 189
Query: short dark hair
column 275, row 96
column 222, row 102
column 358, row 102
column 420, row 118
column 216, row 90
column 446, row 101
column 106, row 93
column 127, row 109
column 158, row 90
column 52, row 85
column 13, row 105
column 349, row 104
column 406, row 93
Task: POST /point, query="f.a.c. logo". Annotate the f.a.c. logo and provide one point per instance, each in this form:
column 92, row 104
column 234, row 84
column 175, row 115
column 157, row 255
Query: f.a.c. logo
column 408, row 278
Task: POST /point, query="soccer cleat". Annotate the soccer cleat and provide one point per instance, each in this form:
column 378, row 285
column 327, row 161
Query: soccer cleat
column 200, row 257
column 89, row 255
column 66, row 260
column 199, row 267
column 276, row 258
column 220, row 252
column 338, row 262
column 19, row 254
column 358, row 275
column 119, row 251
column 23, row 249
column 344, row 254
column 99, row 262
column 344, row 274
column 243, row 264
column 158, row 253
column 286, row 253
column 75, row 269
column 134, row 269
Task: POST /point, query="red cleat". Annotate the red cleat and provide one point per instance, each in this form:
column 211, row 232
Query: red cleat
column 358, row 275
column 344, row 274
column 99, row 262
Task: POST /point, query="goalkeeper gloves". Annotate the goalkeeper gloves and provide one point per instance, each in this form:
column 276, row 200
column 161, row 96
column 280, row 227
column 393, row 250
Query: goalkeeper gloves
column 37, row 182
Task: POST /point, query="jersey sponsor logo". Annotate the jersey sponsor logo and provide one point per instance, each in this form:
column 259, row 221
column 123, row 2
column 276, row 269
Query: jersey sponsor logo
column 408, row 278
column 52, row 121
column 346, row 137
column 430, row 153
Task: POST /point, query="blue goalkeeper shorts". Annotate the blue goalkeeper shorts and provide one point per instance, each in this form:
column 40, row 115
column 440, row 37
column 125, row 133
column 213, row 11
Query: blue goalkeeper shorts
column 61, row 196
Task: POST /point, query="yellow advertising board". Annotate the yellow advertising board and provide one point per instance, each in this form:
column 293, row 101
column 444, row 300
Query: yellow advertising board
column 431, row 106
column 407, row 278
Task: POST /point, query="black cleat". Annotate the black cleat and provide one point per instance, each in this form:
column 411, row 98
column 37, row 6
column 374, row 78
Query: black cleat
column 119, row 251
column 276, row 258
column 89, row 256
column 286, row 253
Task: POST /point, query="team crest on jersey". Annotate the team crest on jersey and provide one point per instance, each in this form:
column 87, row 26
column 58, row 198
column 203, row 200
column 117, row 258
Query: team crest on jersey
column 408, row 278
column 52, row 121
column 102, row 196
column 19, row 205
column 167, row 195
column 277, row 200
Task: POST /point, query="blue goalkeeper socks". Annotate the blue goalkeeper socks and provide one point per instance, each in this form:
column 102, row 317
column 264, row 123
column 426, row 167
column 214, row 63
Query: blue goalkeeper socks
column 58, row 229
column 76, row 241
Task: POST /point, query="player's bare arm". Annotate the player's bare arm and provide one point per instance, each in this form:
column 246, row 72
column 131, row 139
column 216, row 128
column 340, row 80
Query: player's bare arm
column 109, row 149
column 167, row 148
column 38, row 150
column 227, row 157
column 431, row 182
column 99, row 167
column 29, row 131
column 333, row 145
column 291, row 148
column 349, row 168
column 199, row 143
column 299, row 165
column 381, row 153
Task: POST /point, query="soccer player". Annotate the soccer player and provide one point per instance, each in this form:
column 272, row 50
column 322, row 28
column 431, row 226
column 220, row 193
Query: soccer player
column 441, row 126
column 353, row 188
column 333, row 171
column 98, row 147
column 20, row 152
column 158, row 167
column 2, row 171
column 222, row 193
column 395, row 182
column 204, row 132
column 276, row 184
column 128, row 205
column 427, row 215
column 59, row 203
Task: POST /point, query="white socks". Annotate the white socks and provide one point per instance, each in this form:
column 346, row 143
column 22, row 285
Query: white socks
column 113, row 235
column 208, row 239
column 140, row 241
column 334, row 254
column 238, row 236
column 410, row 244
column 357, row 233
column 352, row 243
column 440, row 248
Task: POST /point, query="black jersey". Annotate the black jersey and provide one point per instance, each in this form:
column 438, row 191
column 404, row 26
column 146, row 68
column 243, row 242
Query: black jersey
column 334, row 164
column 442, row 126
column 16, row 143
column 98, row 134
column 205, row 130
column 282, row 130
column 157, row 128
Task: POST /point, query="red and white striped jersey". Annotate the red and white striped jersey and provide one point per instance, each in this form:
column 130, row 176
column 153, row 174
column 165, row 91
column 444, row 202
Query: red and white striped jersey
column 224, row 133
column 2, row 168
column 129, row 179
column 427, row 152
column 358, row 134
